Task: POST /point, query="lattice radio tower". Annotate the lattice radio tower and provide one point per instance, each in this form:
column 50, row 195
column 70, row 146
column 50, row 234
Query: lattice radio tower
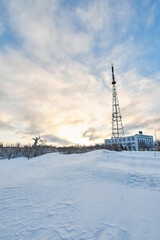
column 117, row 126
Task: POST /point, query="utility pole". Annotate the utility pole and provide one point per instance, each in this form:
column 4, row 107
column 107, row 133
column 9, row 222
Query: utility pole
column 155, row 141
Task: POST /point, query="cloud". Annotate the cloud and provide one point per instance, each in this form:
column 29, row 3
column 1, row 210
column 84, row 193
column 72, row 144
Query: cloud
column 46, row 31
column 150, row 19
column 2, row 13
column 56, row 140
column 5, row 126
column 57, row 81
column 143, row 124
column 93, row 134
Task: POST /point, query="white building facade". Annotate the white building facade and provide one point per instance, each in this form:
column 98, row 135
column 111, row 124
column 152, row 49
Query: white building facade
column 135, row 142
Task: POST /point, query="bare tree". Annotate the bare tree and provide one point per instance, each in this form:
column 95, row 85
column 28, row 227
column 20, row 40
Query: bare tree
column 36, row 139
column 43, row 142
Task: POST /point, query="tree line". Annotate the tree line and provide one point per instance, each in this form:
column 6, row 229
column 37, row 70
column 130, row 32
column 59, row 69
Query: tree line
column 29, row 151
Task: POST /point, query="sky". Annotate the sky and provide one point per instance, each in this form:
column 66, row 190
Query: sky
column 55, row 69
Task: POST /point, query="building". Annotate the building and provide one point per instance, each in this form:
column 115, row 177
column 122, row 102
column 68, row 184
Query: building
column 135, row 142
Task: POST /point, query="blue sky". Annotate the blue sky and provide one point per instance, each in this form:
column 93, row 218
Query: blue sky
column 55, row 59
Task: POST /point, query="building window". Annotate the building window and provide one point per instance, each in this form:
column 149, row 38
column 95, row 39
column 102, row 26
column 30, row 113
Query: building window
column 128, row 138
column 120, row 140
column 132, row 138
column 124, row 139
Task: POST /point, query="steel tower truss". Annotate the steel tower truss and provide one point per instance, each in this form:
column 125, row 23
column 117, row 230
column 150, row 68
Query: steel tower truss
column 117, row 126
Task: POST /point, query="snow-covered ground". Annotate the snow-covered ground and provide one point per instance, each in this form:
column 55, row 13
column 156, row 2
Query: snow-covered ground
column 97, row 195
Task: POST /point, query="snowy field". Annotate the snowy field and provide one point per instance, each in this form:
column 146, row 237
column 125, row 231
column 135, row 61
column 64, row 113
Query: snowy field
column 97, row 195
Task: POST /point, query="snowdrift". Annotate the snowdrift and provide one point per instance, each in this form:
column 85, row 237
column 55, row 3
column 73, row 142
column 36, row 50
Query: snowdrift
column 97, row 195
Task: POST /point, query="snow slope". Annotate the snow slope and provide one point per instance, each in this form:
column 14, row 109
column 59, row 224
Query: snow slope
column 97, row 195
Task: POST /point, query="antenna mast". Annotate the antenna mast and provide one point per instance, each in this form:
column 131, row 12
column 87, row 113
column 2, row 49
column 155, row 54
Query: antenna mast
column 117, row 126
